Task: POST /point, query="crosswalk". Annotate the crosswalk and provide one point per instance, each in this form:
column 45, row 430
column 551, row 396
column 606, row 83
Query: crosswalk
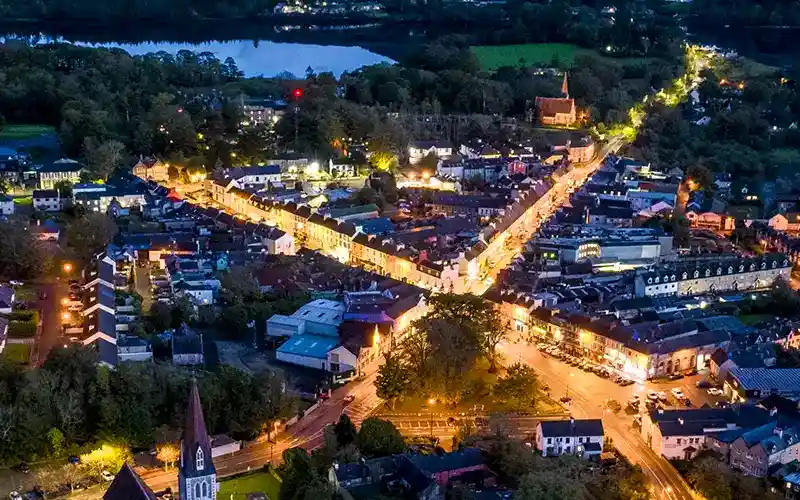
column 362, row 408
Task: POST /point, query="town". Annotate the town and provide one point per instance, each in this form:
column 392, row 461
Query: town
column 547, row 310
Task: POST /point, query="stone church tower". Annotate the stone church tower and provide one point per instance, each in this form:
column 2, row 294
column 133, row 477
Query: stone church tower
column 197, row 477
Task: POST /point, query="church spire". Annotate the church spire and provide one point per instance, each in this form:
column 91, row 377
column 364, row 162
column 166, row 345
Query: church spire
column 565, row 86
column 197, row 475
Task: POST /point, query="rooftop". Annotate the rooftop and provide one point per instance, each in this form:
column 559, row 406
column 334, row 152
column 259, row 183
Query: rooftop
column 309, row 345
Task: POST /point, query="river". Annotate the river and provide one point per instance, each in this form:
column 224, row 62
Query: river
column 268, row 58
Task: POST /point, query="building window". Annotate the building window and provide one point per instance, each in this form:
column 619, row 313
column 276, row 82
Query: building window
column 200, row 462
column 679, row 440
column 549, row 440
column 730, row 269
column 697, row 274
column 205, row 490
column 197, row 490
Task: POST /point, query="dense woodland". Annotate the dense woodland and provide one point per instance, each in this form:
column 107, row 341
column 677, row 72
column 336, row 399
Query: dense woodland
column 132, row 405
column 752, row 130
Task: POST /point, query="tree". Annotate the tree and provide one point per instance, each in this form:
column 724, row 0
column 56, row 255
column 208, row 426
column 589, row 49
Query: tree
column 393, row 379
column 88, row 235
column 711, row 478
column 167, row 453
column 102, row 158
column 296, row 471
column 56, row 438
column 238, row 285
column 548, row 485
column 379, row 438
column 518, row 387
column 64, row 188
column 345, row 431
column 22, row 255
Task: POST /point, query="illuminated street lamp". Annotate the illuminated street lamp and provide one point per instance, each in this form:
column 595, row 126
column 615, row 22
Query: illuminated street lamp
column 64, row 301
column 65, row 316
column 67, row 267
column 431, row 403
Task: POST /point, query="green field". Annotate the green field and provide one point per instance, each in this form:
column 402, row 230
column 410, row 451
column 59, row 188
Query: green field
column 17, row 353
column 240, row 486
column 492, row 57
column 24, row 131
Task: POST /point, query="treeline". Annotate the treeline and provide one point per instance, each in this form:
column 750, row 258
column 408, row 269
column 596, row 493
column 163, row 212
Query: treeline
column 133, row 404
column 748, row 12
column 751, row 132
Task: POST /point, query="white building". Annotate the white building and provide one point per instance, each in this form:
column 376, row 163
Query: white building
column 6, row 205
column 321, row 353
column 579, row 437
column 46, row 200
column 61, row 170
column 418, row 150
column 681, row 434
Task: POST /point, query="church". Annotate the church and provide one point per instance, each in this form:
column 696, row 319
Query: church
column 197, row 477
column 557, row 111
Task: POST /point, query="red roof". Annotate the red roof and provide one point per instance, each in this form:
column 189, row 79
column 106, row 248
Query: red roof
column 551, row 106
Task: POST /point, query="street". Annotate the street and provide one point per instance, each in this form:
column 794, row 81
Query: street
column 50, row 310
column 589, row 394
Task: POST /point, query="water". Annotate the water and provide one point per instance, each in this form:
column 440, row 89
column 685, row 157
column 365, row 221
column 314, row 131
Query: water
column 268, row 58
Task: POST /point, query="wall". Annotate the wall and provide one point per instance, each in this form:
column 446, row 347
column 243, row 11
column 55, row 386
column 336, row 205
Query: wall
column 296, row 359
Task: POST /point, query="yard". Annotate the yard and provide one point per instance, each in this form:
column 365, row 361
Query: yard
column 239, row 487
column 492, row 57
column 752, row 319
column 15, row 132
column 17, row 353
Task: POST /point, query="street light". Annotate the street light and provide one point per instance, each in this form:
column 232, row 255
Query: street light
column 65, row 316
column 67, row 267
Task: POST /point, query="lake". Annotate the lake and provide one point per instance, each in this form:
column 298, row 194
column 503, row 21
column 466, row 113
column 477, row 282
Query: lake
column 268, row 58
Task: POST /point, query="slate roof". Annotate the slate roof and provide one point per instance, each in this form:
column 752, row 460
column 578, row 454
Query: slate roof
column 6, row 296
column 767, row 379
column 127, row 485
column 62, row 165
column 564, row 428
column 195, row 437
column 433, row 464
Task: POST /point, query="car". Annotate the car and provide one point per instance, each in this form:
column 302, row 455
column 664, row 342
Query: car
column 714, row 392
column 721, row 404
column 675, row 376
column 703, row 384
column 662, row 396
column 16, row 283
column 652, row 396
column 687, row 403
column 107, row 476
column 677, row 393
column 349, row 399
column 14, row 495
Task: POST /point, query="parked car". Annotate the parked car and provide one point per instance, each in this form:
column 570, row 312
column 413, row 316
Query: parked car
column 652, row 396
column 107, row 476
column 677, row 393
column 14, row 495
column 703, row 384
column 715, row 392
column 662, row 396
column 675, row 376
column 349, row 399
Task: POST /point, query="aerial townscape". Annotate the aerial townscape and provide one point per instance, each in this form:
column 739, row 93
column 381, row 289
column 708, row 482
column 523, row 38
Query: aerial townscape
column 374, row 250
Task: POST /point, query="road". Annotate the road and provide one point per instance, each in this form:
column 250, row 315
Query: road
column 589, row 394
column 50, row 310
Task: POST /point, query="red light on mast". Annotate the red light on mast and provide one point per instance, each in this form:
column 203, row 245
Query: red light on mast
column 297, row 93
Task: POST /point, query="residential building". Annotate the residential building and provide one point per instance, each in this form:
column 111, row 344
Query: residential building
column 132, row 348
column 579, row 437
column 786, row 222
column 262, row 111
column 99, row 199
column 7, row 296
column 716, row 274
column 314, row 351
column 356, row 213
column 752, row 384
column 187, row 346
column 418, row 150
column 46, row 200
column 63, row 170
column 318, row 317
column 711, row 221
column 197, row 476
column 151, row 169
column 6, row 205
column 468, row 206
column 99, row 313
column 681, row 434
column 755, row 451
column 47, row 230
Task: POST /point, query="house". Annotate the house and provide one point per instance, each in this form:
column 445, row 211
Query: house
column 394, row 475
column 755, row 451
column 711, row 221
column 187, row 346
column 444, row 467
column 46, row 200
column 132, row 348
column 47, row 230
column 580, row 437
column 63, row 170
column 7, row 296
column 788, row 222
column 6, row 205
column 222, row 444
column 418, row 150
column 151, row 169
column 99, row 313
column 681, row 434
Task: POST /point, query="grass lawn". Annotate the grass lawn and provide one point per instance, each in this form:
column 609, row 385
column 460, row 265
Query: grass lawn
column 240, row 486
column 492, row 57
column 17, row 353
column 24, row 131
column 24, row 200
